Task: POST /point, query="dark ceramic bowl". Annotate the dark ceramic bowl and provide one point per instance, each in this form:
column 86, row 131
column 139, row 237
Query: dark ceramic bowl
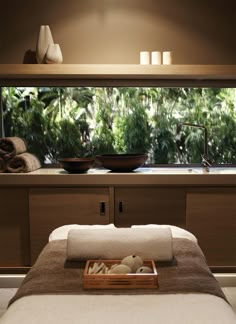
column 121, row 162
column 76, row 165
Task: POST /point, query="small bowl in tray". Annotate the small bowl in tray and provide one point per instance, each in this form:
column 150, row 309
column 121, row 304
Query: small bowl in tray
column 121, row 162
column 76, row 165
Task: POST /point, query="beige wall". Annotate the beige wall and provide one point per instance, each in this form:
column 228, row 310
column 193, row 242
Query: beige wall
column 114, row 31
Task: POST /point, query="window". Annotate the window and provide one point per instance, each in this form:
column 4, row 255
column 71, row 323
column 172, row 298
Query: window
column 68, row 122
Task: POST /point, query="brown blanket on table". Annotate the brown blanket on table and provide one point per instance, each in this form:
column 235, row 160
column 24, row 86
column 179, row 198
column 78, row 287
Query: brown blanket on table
column 11, row 146
column 187, row 273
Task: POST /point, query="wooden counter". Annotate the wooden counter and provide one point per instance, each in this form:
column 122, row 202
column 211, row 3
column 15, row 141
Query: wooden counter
column 140, row 177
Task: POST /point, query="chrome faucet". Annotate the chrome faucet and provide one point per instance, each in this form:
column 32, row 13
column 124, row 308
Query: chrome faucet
column 205, row 159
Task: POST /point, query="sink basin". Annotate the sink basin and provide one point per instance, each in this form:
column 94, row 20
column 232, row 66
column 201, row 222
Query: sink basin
column 170, row 170
column 121, row 162
column 220, row 170
column 187, row 170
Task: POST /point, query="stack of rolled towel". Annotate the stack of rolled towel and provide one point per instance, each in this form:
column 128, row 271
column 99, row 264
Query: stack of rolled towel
column 14, row 156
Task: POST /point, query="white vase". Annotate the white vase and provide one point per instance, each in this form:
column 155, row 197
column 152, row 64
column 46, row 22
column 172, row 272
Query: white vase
column 53, row 54
column 44, row 40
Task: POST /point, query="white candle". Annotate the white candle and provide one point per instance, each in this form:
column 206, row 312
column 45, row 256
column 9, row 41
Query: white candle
column 144, row 57
column 167, row 57
column 156, row 58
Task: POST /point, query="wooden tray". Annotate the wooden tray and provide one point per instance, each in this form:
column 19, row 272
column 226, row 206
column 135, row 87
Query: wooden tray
column 120, row 281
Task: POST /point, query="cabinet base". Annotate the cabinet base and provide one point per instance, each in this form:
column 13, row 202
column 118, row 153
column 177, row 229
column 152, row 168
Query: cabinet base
column 14, row 270
column 223, row 269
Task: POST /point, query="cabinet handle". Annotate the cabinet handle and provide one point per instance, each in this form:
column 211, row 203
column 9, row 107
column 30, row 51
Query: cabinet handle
column 102, row 208
column 120, row 206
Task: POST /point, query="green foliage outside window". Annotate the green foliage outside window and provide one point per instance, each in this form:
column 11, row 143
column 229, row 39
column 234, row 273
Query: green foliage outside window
column 71, row 122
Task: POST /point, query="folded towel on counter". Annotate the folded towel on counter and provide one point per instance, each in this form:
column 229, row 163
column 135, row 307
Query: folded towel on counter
column 11, row 146
column 25, row 162
column 117, row 243
column 3, row 165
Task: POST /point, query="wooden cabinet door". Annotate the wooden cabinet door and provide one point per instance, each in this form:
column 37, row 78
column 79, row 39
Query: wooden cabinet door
column 14, row 228
column 54, row 207
column 211, row 216
column 149, row 206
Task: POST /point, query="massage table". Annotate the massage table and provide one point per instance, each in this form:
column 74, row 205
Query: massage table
column 167, row 307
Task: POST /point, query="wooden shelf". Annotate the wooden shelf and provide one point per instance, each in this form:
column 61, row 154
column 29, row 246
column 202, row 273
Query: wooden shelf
column 116, row 74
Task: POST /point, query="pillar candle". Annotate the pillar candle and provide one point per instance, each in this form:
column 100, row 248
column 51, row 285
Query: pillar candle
column 167, row 57
column 156, row 58
column 144, row 57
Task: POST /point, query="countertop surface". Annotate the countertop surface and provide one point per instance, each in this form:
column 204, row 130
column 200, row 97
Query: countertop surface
column 141, row 176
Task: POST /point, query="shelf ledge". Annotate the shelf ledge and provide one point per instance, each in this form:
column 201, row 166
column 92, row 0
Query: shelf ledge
column 116, row 74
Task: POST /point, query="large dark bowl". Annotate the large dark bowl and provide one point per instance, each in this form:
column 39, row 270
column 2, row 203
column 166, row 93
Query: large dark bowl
column 121, row 162
column 76, row 165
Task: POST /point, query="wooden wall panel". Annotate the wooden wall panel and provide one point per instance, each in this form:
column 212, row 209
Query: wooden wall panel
column 211, row 216
column 51, row 208
column 14, row 227
column 150, row 206
column 98, row 32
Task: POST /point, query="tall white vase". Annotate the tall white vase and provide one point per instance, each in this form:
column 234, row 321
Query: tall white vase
column 53, row 54
column 44, row 40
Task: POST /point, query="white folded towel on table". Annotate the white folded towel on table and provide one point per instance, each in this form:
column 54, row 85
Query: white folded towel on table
column 117, row 243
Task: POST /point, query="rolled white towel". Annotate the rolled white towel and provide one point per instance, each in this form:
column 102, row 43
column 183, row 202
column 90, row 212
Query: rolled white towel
column 177, row 232
column 61, row 233
column 116, row 243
